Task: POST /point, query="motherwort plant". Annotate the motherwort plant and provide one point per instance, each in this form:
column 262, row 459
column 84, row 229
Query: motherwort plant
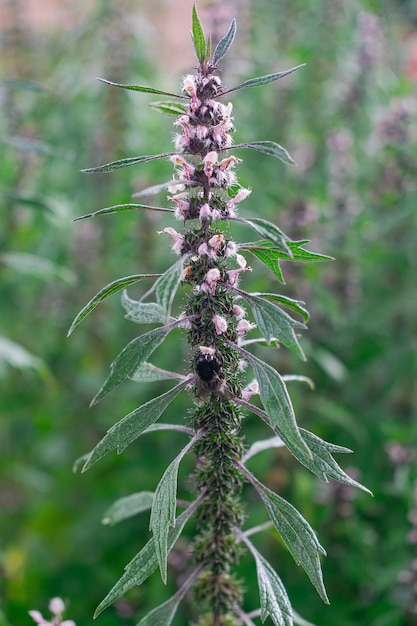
column 216, row 315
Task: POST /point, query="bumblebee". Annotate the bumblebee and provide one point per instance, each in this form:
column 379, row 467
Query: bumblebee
column 209, row 371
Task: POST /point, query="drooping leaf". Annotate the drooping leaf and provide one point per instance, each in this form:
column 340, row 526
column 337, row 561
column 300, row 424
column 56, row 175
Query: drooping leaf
column 273, row 322
column 269, row 147
column 169, row 108
column 198, row 37
column 272, row 593
column 130, row 427
column 119, row 208
column 224, row 44
column 28, row 144
column 143, row 89
column 164, row 614
column 144, row 563
column 148, row 373
column 166, row 287
column 261, row 445
column 107, row 291
column 288, row 378
column 128, row 507
column 128, row 361
column 141, row 312
column 297, row 535
column 269, row 256
column 269, row 231
column 277, row 403
column 116, row 165
column 36, row 266
column 163, row 509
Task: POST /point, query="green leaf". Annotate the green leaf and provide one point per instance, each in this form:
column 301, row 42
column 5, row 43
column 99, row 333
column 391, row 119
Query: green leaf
column 277, row 403
column 297, row 535
column 224, row 43
column 128, row 361
column 28, row 144
column 198, row 37
column 296, row 305
column 144, row 563
column 163, row 509
column 107, row 291
column 288, row 378
column 148, row 373
column 271, row 232
column 272, row 593
column 269, row 256
column 263, row 80
column 119, row 208
column 164, row 614
column 128, row 507
column 300, row 254
column 116, row 165
column 36, row 266
column 322, row 464
column 141, row 312
column 273, row 322
column 166, row 287
column 141, row 88
column 132, row 426
column 169, row 108
column 269, row 147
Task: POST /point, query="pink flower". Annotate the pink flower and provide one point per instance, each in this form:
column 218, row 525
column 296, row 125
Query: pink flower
column 205, row 212
column 201, row 132
column 216, row 242
column 211, row 279
column 220, row 324
column 250, row 390
column 187, row 169
column 177, row 239
column 231, row 249
column 243, row 326
column 210, row 161
column 238, row 311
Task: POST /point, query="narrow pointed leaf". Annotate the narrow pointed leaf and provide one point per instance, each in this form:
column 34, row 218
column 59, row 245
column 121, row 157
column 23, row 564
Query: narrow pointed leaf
column 141, row 312
column 122, row 208
column 116, row 165
column 128, row 507
column 269, row 147
column 164, row 614
column 135, row 353
column 300, row 254
column 143, row 564
column 272, row 593
column 166, row 287
column 148, row 373
column 277, row 403
column 163, row 509
column 264, row 80
column 323, row 465
column 107, row 291
column 268, row 255
column 297, row 535
column 198, row 37
column 132, row 426
column 141, row 88
column 271, row 232
column 36, row 266
column 288, row 378
column 273, row 322
column 169, row 108
column 296, row 305
column 224, row 44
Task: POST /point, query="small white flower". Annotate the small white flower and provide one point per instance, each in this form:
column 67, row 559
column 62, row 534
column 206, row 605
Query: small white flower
column 216, row 242
column 241, row 261
column 177, row 239
column 56, row 606
column 210, row 161
column 211, row 279
column 201, row 132
column 205, row 211
column 210, row 351
column 231, row 249
column 189, row 84
column 239, row 311
column 220, row 324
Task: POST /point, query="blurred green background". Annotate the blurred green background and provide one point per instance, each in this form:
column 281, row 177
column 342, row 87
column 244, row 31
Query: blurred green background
column 349, row 120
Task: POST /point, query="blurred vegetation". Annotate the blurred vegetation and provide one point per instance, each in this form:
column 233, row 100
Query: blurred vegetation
column 349, row 119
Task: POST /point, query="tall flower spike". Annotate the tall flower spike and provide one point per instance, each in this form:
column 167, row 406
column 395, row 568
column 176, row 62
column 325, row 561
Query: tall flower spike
column 205, row 195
